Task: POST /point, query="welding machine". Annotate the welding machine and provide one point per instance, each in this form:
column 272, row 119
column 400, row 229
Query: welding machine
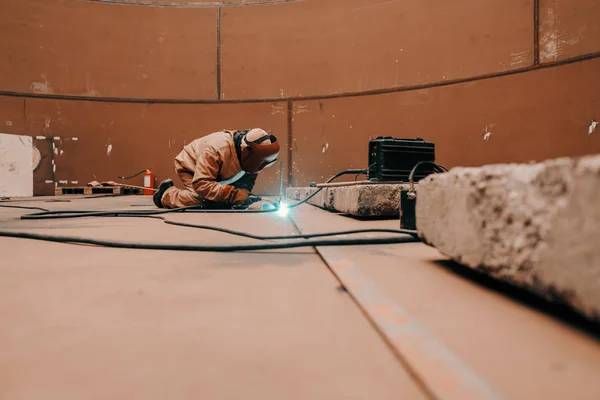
column 393, row 159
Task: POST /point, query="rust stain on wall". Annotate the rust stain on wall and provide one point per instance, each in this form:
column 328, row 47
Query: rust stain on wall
column 568, row 28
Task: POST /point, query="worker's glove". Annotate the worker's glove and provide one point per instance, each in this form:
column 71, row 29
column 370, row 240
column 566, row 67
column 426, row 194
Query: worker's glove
column 254, row 199
column 251, row 200
column 240, row 197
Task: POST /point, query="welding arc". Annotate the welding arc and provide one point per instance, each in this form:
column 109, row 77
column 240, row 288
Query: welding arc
column 211, row 248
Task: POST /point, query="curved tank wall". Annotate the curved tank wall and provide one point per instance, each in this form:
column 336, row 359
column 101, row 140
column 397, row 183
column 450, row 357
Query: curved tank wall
column 133, row 80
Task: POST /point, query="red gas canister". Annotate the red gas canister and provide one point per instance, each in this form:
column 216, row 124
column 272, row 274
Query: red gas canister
column 148, row 182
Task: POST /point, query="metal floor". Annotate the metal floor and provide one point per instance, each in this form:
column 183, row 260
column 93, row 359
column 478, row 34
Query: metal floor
column 365, row 322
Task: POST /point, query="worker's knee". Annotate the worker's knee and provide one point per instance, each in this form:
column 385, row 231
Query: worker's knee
column 177, row 198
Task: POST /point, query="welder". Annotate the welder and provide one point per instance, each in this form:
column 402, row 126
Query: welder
column 219, row 170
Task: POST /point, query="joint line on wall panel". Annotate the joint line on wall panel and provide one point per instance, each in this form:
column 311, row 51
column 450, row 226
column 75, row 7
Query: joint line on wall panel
column 421, row 86
column 536, row 32
column 290, row 165
column 189, row 4
column 219, row 53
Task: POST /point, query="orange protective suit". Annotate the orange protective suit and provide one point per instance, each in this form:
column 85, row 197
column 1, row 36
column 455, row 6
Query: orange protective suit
column 210, row 171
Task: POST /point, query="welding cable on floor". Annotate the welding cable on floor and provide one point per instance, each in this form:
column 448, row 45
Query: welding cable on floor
column 409, row 236
column 272, row 237
column 261, row 237
column 195, row 208
column 131, row 213
column 344, row 172
column 300, row 236
column 25, row 207
column 211, row 248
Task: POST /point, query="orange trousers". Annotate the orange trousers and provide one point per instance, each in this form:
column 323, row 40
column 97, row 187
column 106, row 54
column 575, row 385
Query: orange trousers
column 176, row 198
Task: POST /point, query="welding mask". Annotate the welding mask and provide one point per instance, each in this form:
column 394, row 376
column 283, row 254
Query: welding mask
column 261, row 151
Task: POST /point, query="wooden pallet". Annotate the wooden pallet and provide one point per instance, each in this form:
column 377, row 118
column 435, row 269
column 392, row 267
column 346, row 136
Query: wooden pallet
column 88, row 190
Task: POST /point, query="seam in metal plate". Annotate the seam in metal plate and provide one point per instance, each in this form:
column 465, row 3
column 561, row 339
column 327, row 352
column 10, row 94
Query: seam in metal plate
column 441, row 371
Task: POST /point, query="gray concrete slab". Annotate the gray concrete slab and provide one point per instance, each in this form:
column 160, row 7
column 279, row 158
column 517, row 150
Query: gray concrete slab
column 536, row 226
column 365, row 200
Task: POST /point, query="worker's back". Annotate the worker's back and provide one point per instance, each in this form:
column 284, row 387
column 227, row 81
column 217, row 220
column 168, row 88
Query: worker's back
column 219, row 145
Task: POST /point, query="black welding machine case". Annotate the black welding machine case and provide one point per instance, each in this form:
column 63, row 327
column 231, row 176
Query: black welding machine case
column 392, row 159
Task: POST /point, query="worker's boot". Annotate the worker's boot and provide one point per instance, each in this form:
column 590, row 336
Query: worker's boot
column 162, row 188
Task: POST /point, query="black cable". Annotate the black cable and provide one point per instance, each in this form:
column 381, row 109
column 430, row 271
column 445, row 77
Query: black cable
column 137, row 214
column 25, row 207
column 436, row 167
column 344, row 172
column 261, row 237
column 65, row 199
column 124, row 213
column 132, row 176
column 212, row 248
column 301, row 236
column 249, row 235
column 45, row 214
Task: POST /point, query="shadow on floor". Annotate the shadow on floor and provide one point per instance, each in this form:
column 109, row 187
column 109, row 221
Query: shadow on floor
column 560, row 311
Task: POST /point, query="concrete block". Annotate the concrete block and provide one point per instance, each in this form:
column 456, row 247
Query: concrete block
column 536, row 226
column 357, row 200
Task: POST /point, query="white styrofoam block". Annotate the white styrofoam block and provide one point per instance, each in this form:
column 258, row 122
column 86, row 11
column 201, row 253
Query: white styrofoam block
column 16, row 170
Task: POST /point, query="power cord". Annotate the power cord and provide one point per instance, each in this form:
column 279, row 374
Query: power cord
column 25, row 207
column 279, row 237
column 211, row 248
column 437, row 168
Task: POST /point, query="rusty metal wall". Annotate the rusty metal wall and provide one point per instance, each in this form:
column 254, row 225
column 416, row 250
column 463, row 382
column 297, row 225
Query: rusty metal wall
column 106, row 50
column 531, row 116
column 132, row 82
column 12, row 115
column 317, row 47
column 192, row 3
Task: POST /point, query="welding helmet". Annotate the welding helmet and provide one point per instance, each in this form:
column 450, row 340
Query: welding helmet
column 260, row 151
